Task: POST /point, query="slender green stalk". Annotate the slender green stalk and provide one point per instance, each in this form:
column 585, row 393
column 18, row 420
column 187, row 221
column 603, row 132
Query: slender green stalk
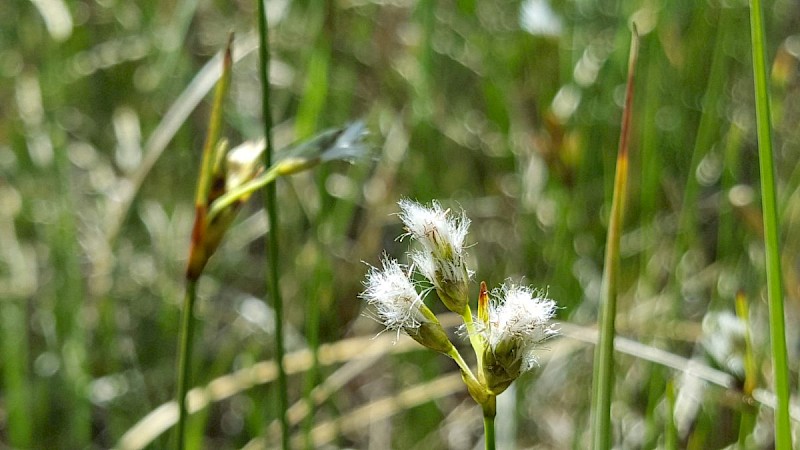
column 184, row 356
column 270, row 206
column 727, row 234
column 312, row 375
column 783, row 431
column 488, row 429
column 474, row 337
column 476, row 389
column 604, row 354
column 236, row 194
column 16, row 381
column 69, row 309
column 748, row 416
column 454, row 353
column 309, row 111
column 489, row 413
column 707, row 132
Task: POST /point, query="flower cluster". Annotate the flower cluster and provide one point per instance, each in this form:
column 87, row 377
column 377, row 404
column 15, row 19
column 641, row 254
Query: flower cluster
column 518, row 321
column 234, row 175
column 441, row 259
column 400, row 307
column 229, row 177
column 509, row 327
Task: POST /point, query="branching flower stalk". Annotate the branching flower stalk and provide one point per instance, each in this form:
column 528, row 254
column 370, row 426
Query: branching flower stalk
column 227, row 179
column 511, row 323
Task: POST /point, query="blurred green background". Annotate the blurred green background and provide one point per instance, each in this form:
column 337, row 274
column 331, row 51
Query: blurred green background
column 507, row 109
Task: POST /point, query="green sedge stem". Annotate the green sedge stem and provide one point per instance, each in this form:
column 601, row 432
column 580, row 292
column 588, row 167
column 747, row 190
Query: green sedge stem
column 783, row 430
column 184, row 355
column 284, row 167
column 474, row 338
column 462, row 364
column 603, row 382
column 270, row 205
column 243, row 191
column 488, row 430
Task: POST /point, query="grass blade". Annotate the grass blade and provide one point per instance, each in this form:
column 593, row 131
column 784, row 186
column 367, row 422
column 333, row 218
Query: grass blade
column 604, row 353
column 184, row 353
column 270, row 206
column 748, row 413
column 783, row 436
column 15, row 376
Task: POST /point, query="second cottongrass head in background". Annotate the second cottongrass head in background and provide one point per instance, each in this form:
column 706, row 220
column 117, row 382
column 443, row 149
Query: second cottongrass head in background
column 508, row 328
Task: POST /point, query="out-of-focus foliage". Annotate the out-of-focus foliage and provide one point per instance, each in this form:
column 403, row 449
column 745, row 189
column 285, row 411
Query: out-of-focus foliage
column 507, row 109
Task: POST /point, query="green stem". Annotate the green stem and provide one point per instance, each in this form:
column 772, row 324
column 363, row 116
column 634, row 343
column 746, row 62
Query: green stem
column 15, row 373
column 245, row 190
column 604, row 353
column 311, row 382
column 270, row 205
column 488, row 429
column 477, row 390
column 184, row 355
column 454, row 353
column 474, row 337
column 783, row 436
column 748, row 416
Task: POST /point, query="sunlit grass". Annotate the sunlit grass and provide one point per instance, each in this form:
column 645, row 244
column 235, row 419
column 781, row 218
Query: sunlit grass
column 466, row 101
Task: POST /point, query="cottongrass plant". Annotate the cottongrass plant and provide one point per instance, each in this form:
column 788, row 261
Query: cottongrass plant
column 509, row 327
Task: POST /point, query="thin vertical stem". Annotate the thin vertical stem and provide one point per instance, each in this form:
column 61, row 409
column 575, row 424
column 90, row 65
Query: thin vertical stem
column 783, row 436
column 604, row 353
column 748, row 416
column 270, row 206
column 69, row 309
column 489, row 413
column 184, row 356
column 472, row 333
column 488, row 428
column 15, row 374
column 309, row 111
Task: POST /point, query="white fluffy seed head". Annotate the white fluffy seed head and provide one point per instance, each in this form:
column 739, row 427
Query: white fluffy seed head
column 520, row 314
column 424, row 263
column 394, row 296
column 442, row 258
column 440, row 233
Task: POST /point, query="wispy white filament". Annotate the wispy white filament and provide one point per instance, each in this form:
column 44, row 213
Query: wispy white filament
column 434, row 227
column 394, row 296
column 442, row 236
column 522, row 315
